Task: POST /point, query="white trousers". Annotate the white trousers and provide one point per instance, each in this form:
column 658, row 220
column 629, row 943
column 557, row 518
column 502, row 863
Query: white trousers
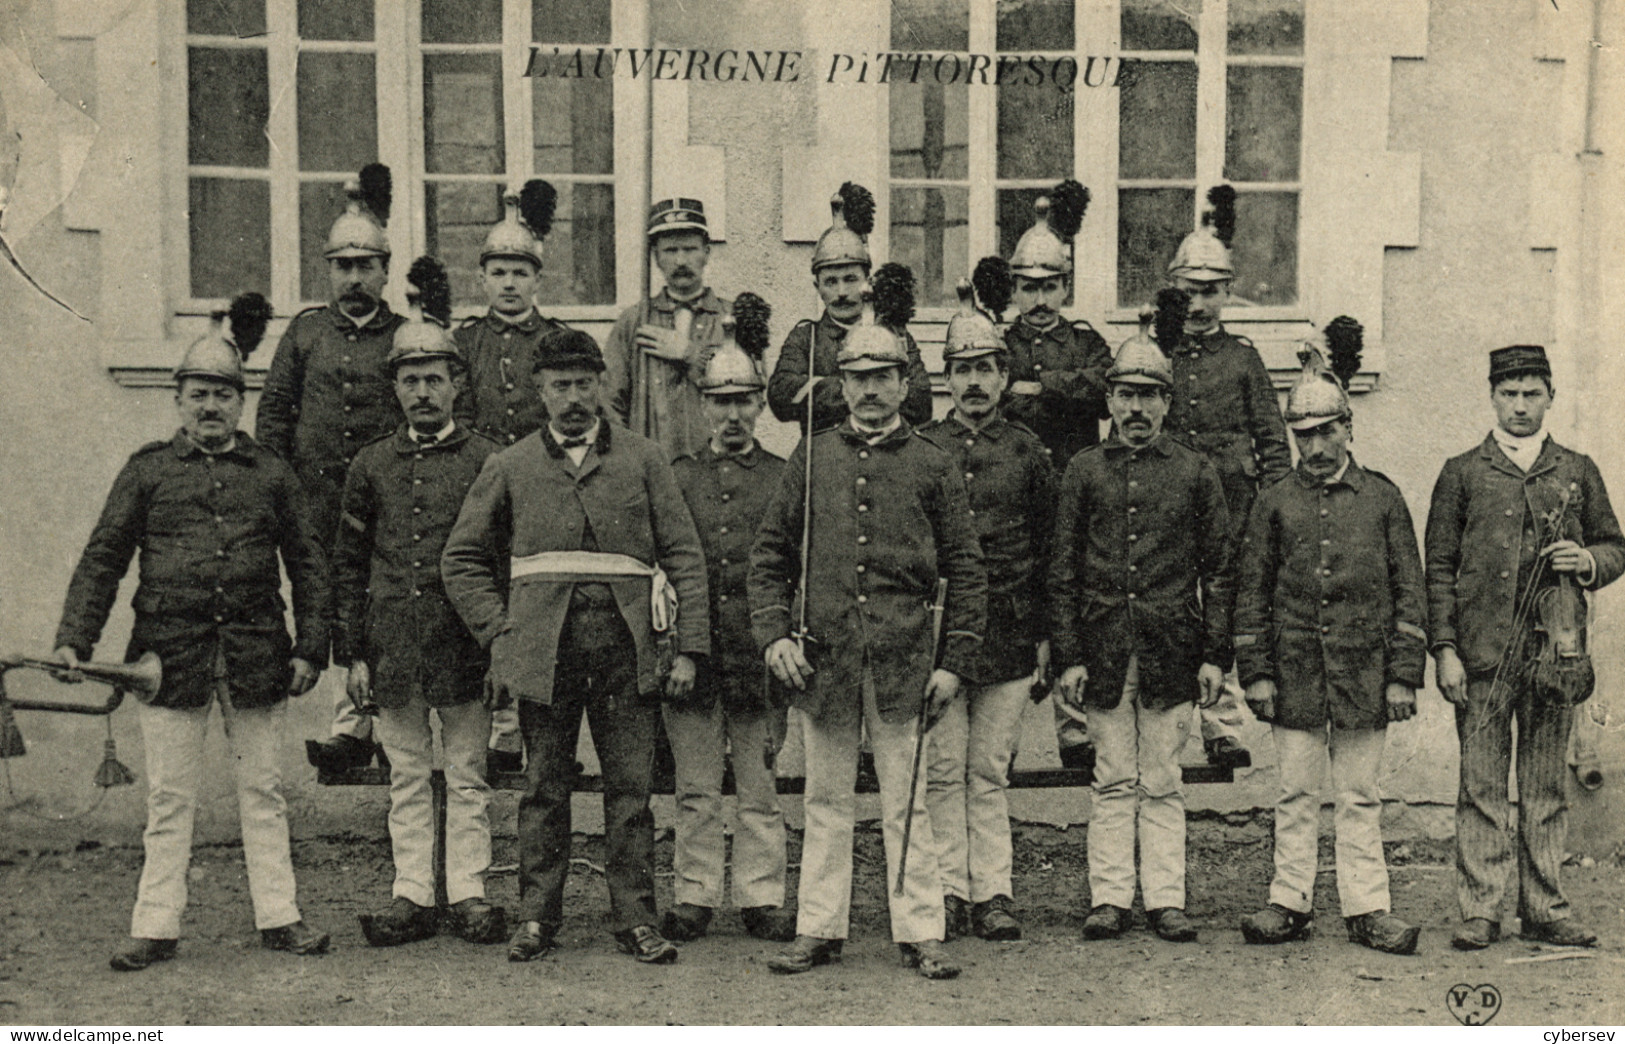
column 1137, row 776
column 409, row 742
column 347, row 721
column 1362, row 875
column 969, row 769
column 699, row 740
column 174, row 741
column 830, row 805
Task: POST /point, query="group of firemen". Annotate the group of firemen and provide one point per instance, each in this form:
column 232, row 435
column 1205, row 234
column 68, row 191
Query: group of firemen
column 503, row 527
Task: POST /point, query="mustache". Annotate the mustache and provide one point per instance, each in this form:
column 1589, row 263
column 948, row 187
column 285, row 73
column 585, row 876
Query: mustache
column 683, row 271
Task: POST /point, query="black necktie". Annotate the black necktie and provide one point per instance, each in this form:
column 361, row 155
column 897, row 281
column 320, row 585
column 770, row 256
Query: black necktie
column 573, row 442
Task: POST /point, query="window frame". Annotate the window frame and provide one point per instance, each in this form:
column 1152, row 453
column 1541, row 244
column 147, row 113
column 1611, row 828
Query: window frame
column 1095, row 140
column 398, row 80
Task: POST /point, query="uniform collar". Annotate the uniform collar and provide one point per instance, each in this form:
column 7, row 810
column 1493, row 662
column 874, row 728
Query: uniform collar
column 992, row 429
column 1491, row 451
column 529, row 323
column 861, row 438
column 380, row 319
column 1213, row 340
column 406, row 440
column 1116, row 447
column 1352, row 476
column 707, row 301
column 1058, row 332
column 828, row 326
column 746, row 459
column 242, row 447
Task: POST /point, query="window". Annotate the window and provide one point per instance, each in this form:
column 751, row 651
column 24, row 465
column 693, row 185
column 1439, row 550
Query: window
column 287, row 99
column 1214, row 93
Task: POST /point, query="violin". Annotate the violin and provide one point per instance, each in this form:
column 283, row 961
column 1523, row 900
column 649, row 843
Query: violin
column 1561, row 669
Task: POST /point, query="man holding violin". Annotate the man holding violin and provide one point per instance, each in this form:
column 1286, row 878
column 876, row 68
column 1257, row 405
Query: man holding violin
column 1518, row 526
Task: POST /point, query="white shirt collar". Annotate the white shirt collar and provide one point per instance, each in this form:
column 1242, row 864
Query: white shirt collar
column 361, row 320
column 440, row 436
column 874, row 435
column 576, row 453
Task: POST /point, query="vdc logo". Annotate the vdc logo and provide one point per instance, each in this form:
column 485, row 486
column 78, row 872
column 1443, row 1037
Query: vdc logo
column 1473, row 1005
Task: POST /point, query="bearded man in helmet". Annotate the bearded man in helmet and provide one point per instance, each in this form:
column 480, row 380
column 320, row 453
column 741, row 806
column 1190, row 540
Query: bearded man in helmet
column 408, row 654
column 1012, row 504
column 1141, row 592
column 1330, row 644
column 806, row 385
column 210, row 511
column 328, row 394
column 727, row 486
column 846, row 561
column 1224, row 406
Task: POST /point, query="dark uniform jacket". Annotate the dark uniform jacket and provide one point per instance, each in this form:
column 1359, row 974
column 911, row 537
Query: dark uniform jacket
column 1141, row 565
column 400, row 501
column 1485, row 530
column 673, row 407
column 501, row 401
column 530, row 498
column 327, row 395
column 888, row 520
column 1329, row 599
column 1070, row 361
column 728, row 495
column 209, row 529
column 1224, row 405
column 820, row 341
column 1012, row 500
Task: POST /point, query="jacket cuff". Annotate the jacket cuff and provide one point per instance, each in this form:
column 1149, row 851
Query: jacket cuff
column 960, row 655
column 769, row 625
column 1065, row 650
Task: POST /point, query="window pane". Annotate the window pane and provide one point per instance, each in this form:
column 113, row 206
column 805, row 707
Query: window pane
column 1160, row 25
column 338, row 111
column 574, row 123
column 930, row 25
column 1150, row 224
column 462, row 21
column 579, row 257
column 1157, row 121
column 335, row 19
column 228, row 101
column 930, row 233
column 1035, row 25
column 230, row 236
column 459, row 217
column 320, row 204
column 569, row 21
column 1266, row 248
column 1016, row 216
column 225, row 17
column 1263, row 123
column 462, row 114
column 1266, row 26
column 1035, row 132
column 930, row 129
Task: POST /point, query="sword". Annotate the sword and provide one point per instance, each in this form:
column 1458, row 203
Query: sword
column 923, row 726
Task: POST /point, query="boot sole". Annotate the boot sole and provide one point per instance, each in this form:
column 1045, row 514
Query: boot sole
column 1404, row 947
column 817, row 960
column 1258, row 938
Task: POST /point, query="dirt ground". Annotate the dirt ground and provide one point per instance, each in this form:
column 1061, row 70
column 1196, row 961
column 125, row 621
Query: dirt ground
column 66, row 910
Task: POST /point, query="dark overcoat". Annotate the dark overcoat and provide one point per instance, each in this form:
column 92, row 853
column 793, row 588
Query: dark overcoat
column 1141, row 566
column 501, row 401
column 529, row 499
column 1224, row 405
column 1485, row 529
column 391, row 609
column 328, row 393
column 1069, row 362
column 728, row 494
column 1012, row 501
column 210, row 528
column 888, row 519
column 810, row 350
column 1329, row 599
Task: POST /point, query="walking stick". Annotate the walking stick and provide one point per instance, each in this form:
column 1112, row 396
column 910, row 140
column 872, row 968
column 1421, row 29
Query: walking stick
column 921, row 728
